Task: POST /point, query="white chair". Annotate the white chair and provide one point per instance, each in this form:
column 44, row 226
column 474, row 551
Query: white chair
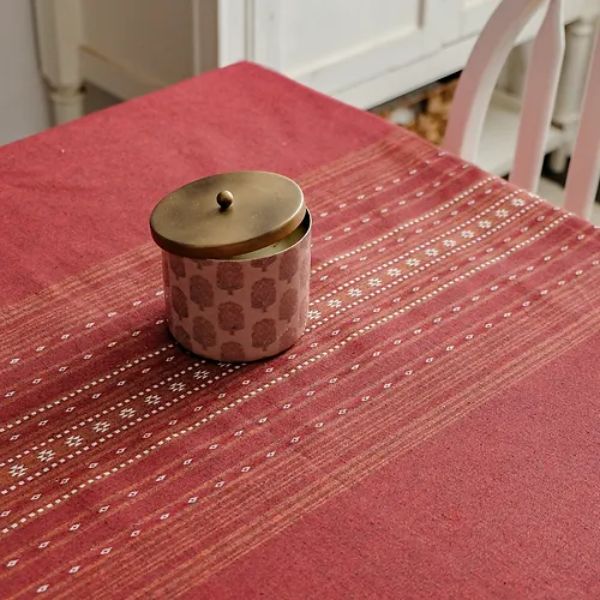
column 477, row 83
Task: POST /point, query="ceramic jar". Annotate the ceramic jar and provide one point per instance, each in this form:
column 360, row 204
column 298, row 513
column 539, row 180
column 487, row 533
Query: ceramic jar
column 236, row 264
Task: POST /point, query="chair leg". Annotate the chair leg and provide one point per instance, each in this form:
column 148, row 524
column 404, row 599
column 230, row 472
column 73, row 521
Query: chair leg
column 558, row 159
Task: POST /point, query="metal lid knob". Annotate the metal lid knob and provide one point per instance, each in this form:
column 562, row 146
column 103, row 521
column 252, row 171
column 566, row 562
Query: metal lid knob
column 224, row 199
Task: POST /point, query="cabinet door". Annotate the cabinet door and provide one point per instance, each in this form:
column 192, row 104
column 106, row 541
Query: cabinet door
column 333, row 45
column 473, row 15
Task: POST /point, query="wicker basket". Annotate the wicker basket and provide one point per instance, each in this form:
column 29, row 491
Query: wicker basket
column 425, row 111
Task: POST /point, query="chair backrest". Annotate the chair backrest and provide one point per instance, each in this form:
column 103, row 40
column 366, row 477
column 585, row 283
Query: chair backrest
column 477, row 83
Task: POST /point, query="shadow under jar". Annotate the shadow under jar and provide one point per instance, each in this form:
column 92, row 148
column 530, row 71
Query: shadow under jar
column 236, row 264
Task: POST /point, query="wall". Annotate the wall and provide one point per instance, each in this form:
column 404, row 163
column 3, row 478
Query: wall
column 23, row 105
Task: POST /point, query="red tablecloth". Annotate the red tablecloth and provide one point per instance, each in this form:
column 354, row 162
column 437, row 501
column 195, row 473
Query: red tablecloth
column 434, row 434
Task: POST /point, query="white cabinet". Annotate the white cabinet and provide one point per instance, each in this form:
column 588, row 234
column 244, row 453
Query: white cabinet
column 344, row 48
column 363, row 52
column 334, row 45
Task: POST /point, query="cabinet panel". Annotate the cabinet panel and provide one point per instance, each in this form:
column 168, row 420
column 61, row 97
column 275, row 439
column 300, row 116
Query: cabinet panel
column 473, row 15
column 325, row 31
column 331, row 45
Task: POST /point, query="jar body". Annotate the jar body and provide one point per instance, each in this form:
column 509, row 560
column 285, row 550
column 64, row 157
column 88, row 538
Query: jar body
column 240, row 309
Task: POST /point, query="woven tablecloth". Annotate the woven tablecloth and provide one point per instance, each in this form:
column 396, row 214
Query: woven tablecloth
column 434, row 434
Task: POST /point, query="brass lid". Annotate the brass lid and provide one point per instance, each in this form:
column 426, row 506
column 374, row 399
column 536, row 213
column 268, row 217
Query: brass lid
column 227, row 214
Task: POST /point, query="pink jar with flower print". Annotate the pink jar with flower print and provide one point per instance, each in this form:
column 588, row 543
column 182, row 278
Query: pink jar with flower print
column 236, row 264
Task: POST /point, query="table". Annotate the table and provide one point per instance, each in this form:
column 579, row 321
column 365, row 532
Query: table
column 434, row 433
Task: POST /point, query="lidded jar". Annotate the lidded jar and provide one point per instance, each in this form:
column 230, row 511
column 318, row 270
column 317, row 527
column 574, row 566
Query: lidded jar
column 236, row 264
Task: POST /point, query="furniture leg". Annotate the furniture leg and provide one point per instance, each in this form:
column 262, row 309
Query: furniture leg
column 578, row 45
column 67, row 103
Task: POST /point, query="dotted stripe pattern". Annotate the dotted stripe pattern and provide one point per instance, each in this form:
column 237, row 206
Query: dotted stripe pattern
column 114, row 373
column 457, row 199
column 93, row 322
column 91, row 325
column 284, row 376
column 393, row 282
